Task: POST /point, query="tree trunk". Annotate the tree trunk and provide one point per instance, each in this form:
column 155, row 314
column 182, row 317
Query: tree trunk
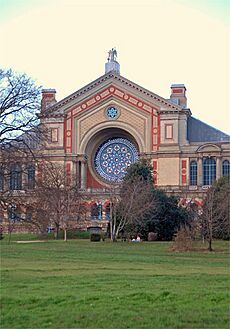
column 57, row 232
column 65, row 234
column 210, row 244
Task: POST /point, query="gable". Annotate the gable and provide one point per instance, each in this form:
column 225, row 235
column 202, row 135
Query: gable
column 124, row 89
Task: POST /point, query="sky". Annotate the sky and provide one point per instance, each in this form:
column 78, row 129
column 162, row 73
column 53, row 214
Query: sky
column 63, row 44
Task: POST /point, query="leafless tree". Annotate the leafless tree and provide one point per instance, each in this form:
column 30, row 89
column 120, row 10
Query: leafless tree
column 215, row 217
column 22, row 137
column 57, row 196
column 133, row 204
column 19, row 104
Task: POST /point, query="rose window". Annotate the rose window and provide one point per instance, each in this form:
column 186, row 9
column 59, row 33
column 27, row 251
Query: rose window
column 113, row 157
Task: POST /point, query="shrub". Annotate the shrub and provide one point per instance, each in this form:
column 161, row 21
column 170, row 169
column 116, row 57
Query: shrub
column 95, row 237
column 183, row 240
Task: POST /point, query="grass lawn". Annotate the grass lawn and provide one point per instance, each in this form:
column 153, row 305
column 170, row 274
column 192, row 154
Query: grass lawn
column 82, row 284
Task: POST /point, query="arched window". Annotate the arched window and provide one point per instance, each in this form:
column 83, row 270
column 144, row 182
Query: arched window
column 193, row 173
column 31, row 176
column 225, row 168
column 16, row 177
column 209, row 171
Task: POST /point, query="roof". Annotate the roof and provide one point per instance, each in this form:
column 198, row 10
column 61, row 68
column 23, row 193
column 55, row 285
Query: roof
column 199, row 131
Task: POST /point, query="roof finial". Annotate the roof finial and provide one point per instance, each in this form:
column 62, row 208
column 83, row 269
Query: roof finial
column 112, row 64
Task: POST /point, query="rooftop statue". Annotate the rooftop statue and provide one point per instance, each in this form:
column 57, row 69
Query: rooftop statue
column 112, row 55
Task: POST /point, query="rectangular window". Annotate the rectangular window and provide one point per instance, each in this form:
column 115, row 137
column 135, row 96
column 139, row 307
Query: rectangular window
column 54, row 135
column 168, row 131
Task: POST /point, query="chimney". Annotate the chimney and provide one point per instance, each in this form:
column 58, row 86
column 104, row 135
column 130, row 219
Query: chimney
column 48, row 98
column 178, row 95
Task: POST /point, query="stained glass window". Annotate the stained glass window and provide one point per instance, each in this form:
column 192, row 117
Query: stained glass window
column 112, row 112
column 113, row 157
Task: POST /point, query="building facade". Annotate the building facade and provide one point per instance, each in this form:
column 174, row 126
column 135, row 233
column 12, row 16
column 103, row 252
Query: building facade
column 99, row 130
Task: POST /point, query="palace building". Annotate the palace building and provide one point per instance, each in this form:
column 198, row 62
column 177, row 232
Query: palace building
column 99, row 130
column 105, row 126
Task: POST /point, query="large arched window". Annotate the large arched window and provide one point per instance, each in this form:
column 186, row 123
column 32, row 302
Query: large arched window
column 16, row 177
column 193, row 172
column 31, row 176
column 209, row 171
column 225, row 168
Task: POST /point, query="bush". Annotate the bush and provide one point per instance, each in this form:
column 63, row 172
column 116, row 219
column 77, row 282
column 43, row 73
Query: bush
column 183, row 240
column 95, row 237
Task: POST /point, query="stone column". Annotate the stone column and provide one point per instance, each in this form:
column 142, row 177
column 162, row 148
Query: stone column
column 199, row 172
column 83, row 174
column 24, row 177
column 218, row 167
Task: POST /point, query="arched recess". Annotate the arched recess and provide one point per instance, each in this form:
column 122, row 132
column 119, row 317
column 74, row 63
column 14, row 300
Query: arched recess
column 108, row 127
column 99, row 138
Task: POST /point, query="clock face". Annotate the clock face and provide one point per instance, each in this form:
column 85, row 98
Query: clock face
column 112, row 112
column 113, row 157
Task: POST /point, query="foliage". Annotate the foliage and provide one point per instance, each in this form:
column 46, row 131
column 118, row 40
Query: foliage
column 80, row 284
column 141, row 168
column 164, row 217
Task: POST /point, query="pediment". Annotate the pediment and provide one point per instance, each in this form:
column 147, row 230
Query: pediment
column 208, row 148
column 111, row 85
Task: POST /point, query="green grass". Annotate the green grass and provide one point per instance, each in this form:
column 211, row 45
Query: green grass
column 82, row 284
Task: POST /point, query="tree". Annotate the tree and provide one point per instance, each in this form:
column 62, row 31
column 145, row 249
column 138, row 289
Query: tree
column 19, row 104
column 134, row 203
column 165, row 216
column 215, row 216
column 132, row 200
column 58, row 199
column 21, row 135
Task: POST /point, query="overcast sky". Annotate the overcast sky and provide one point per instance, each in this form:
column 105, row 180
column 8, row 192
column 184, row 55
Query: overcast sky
column 63, row 44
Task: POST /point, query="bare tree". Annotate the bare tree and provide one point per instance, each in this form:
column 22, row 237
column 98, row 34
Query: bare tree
column 134, row 203
column 58, row 198
column 19, row 104
column 215, row 216
column 22, row 137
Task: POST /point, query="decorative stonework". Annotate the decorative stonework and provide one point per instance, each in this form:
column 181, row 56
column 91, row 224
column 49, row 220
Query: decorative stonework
column 128, row 99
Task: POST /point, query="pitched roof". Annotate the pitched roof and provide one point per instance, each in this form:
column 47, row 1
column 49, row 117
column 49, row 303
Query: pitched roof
column 199, row 131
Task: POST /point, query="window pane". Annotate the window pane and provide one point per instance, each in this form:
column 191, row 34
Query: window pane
column 209, row 171
column 193, row 173
column 16, row 177
column 31, row 177
column 225, row 168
